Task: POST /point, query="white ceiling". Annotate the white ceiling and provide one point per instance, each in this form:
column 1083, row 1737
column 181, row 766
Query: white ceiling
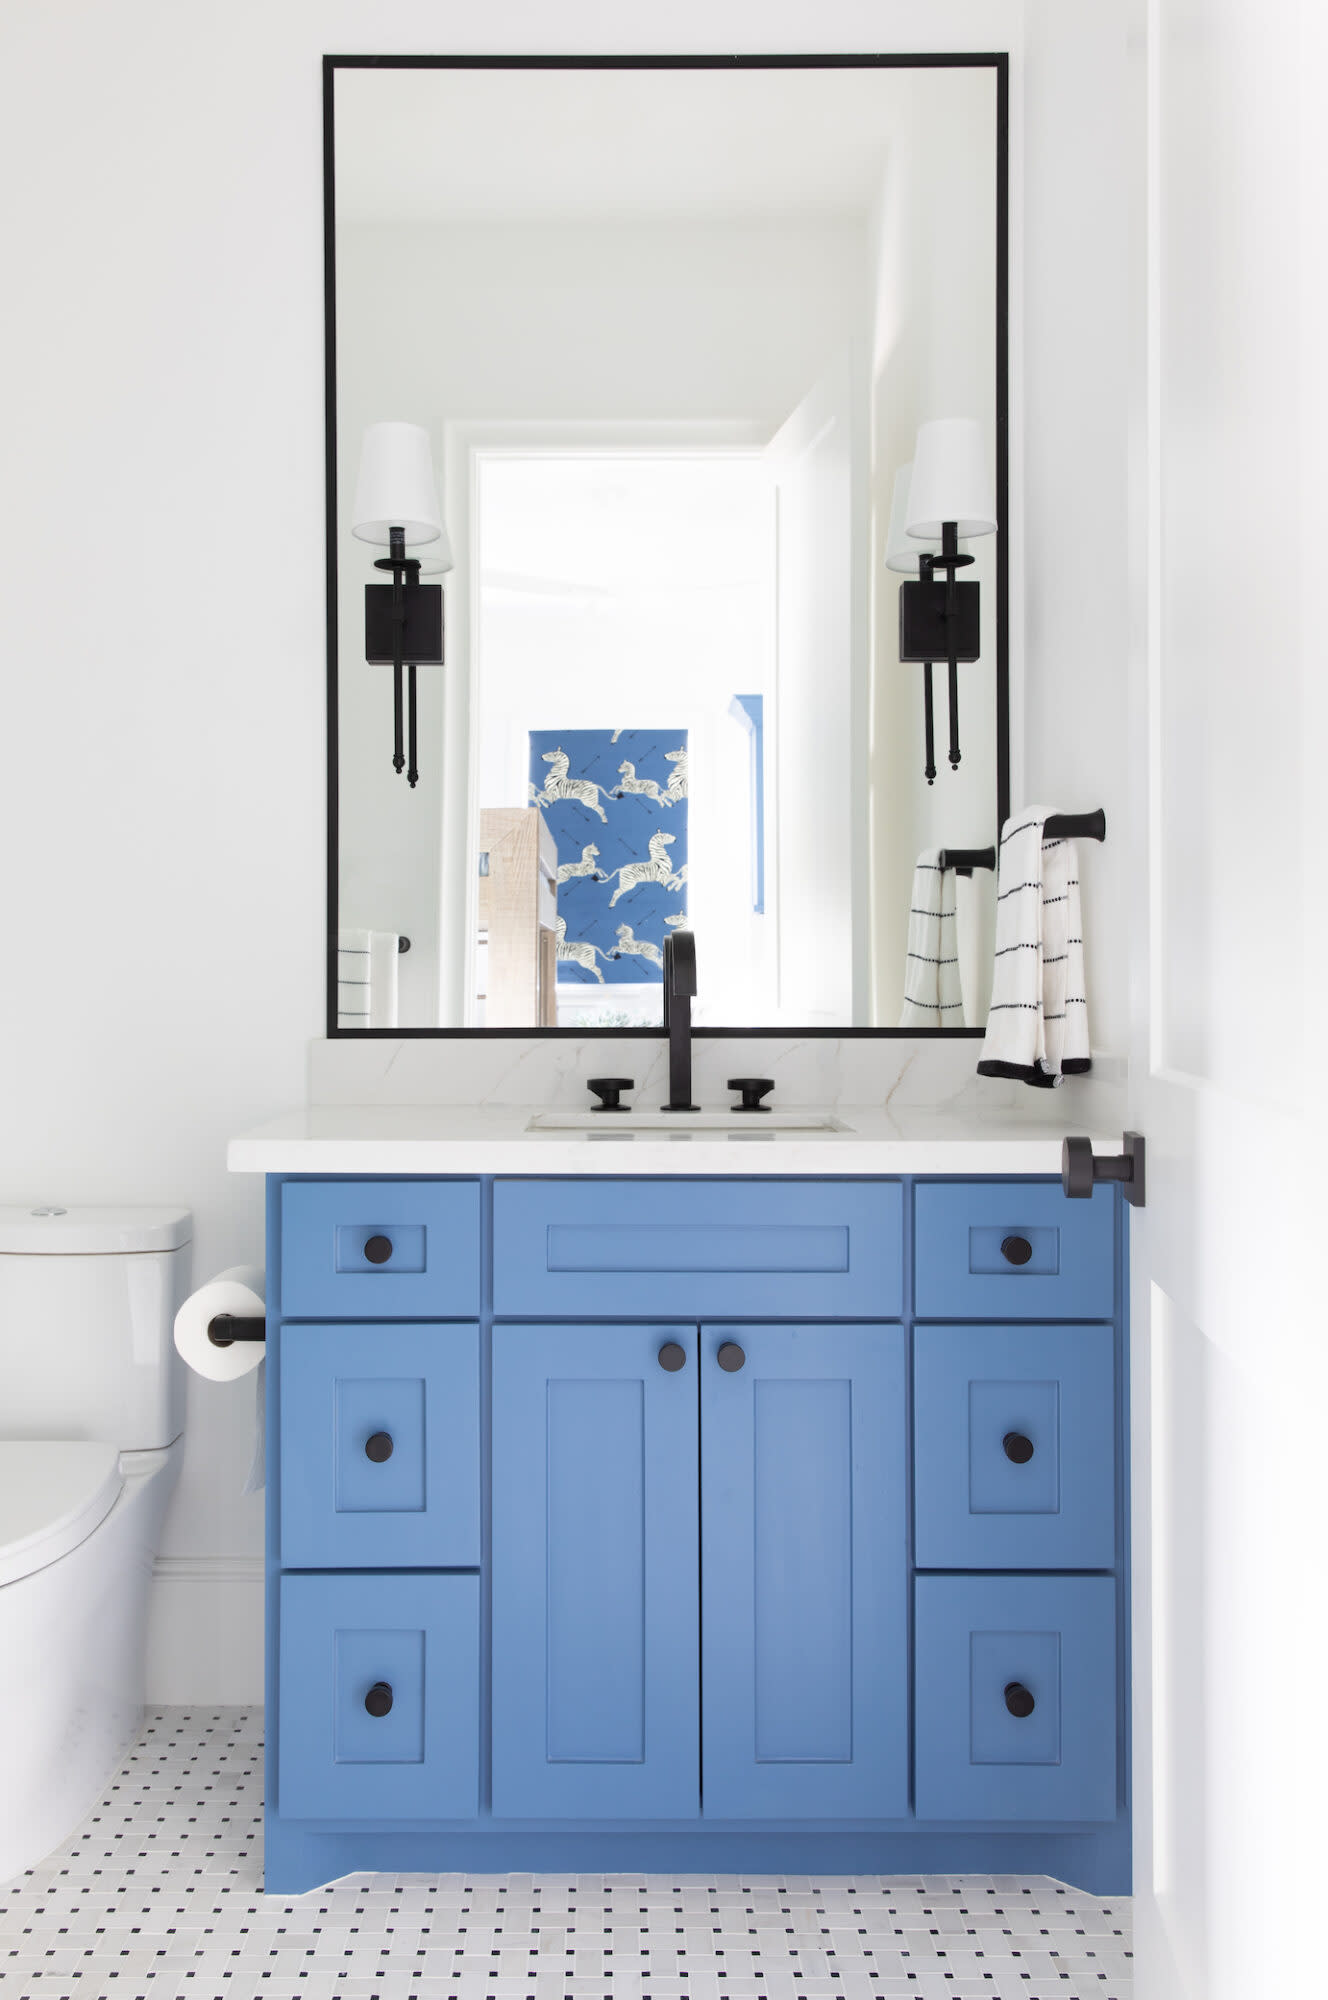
column 458, row 145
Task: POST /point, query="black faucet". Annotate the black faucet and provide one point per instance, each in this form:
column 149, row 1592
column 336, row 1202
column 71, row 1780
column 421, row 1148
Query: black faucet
column 679, row 992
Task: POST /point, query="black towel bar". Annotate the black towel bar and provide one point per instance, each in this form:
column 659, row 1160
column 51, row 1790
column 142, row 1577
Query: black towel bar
column 965, row 859
column 1076, row 826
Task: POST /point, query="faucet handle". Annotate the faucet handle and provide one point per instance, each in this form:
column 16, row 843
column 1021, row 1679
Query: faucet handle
column 753, row 1089
column 608, row 1089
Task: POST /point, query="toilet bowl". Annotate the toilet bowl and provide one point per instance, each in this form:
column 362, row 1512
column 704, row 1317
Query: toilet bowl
column 73, row 1625
column 91, row 1416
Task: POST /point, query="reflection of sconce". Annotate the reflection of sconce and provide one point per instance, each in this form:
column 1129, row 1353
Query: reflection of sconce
column 396, row 502
column 948, row 496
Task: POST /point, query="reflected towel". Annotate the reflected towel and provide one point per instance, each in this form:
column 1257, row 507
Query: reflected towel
column 367, row 979
column 1037, row 1026
column 932, row 995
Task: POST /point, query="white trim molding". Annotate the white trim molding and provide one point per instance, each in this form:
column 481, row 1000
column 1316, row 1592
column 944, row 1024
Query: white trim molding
column 205, row 1630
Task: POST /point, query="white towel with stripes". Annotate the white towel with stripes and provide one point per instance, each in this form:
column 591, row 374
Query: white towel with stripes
column 932, row 996
column 367, row 979
column 1037, row 1028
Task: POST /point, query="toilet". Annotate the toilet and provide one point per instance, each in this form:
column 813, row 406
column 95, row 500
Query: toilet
column 91, row 1422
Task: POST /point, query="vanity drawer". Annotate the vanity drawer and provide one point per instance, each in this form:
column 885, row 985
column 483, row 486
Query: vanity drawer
column 987, row 1648
column 1013, row 1250
column 380, row 1249
column 1014, row 1447
column 380, row 1447
column 417, row 1637
column 643, row 1249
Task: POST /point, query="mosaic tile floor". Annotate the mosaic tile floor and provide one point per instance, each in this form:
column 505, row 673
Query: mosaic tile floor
column 156, row 1897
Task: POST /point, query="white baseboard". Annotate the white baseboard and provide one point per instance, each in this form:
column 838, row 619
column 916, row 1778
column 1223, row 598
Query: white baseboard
column 205, row 1630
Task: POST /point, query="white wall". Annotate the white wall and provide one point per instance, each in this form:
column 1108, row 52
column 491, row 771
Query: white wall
column 161, row 617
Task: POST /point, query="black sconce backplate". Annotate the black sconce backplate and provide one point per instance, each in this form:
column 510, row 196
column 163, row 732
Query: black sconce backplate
column 924, row 632
column 422, row 636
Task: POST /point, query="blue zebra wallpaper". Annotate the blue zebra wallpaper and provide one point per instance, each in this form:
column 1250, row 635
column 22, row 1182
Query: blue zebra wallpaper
column 616, row 804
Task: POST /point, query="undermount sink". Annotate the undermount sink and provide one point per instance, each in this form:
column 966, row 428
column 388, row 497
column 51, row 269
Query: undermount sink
column 683, row 1124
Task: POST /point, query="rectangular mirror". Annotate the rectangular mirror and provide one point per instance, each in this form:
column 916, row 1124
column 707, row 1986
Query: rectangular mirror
column 640, row 352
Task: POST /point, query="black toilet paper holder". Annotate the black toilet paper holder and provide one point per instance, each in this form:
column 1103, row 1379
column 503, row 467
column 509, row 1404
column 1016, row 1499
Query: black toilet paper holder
column 224, row 1329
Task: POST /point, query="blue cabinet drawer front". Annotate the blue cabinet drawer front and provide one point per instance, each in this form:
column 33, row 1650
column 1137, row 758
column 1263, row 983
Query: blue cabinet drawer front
column 804, row 1604
column 595, row 1616
column 1014, row 1447
column 968, row 1240
column 342, row 1636
column 431, row 1230
column 348, row 1393
column 1049, row 1638
column 744, row 1249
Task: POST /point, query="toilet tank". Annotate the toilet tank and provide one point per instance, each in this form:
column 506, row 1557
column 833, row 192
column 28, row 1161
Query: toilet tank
column 87, row 1302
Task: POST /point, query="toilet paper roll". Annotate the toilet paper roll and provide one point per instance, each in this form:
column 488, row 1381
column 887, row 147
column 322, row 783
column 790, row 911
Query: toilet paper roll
column 238, row 1290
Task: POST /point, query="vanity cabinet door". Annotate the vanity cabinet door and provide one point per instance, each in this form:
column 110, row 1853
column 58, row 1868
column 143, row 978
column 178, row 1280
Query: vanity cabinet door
column 595, row 1667
column 804, row 1572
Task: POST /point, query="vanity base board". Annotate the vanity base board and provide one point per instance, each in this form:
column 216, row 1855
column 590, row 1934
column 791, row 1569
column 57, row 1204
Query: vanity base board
column 1096, row 1861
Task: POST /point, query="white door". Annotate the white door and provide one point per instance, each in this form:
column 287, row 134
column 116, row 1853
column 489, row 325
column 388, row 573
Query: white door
column 820, row 738
column 1230, row 1267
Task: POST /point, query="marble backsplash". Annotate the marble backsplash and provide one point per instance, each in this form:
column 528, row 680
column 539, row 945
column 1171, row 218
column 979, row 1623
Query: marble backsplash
column 808, row 1070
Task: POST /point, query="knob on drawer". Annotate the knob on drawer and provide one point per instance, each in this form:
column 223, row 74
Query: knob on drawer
column 1016, row 1249
column 378, row 1249
column 1017, row 1448
column 379, row 1447
column 1018, row 1700
column 378, row 1701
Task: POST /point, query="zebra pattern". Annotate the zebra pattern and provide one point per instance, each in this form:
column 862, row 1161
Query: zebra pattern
column 603, row 794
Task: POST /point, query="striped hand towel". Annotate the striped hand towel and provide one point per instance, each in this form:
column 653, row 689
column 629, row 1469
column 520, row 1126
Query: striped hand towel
column 932, row 997
column 1037, row 1028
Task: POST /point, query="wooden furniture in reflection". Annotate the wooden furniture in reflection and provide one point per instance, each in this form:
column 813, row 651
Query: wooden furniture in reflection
column 518, row 911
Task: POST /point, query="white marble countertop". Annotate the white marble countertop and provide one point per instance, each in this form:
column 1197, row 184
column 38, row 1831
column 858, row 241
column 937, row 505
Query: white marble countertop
column 495, row 1139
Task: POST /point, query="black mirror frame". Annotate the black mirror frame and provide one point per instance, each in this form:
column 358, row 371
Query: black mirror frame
column 997, row 61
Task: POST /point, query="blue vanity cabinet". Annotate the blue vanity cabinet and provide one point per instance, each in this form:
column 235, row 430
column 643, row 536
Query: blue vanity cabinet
column 696, row 1522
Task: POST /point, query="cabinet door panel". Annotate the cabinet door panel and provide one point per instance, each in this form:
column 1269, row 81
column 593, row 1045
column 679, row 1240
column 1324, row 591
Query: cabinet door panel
column 804, row 1573
column 595, row 1670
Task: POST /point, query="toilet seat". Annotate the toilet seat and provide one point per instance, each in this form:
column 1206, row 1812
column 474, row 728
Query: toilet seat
column 53, row 1493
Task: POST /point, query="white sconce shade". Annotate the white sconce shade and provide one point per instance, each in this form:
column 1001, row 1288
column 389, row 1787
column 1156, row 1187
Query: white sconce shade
column 902, row 551
column 396, row 487
column 950, row 480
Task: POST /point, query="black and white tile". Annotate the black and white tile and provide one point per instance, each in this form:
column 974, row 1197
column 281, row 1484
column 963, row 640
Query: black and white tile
column 157, row 1897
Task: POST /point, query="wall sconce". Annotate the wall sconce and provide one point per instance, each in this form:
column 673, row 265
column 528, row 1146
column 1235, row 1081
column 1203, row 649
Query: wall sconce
column 904, row 554
column 396, row 503
column 949, row 498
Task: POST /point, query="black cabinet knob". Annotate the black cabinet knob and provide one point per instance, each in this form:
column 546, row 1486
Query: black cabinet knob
column 379, row 1447
column 1018, row 1700
column 378, row 1701
column 608, row 1089
column 730, row 1357
column 1016, row 1249
column 1017, row 1448
column 672, row 1357
column 753, row 1089
column 378, row 1249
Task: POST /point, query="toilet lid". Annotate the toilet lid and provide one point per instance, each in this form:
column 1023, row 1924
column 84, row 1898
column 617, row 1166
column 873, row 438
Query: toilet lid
column 53, row 1493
